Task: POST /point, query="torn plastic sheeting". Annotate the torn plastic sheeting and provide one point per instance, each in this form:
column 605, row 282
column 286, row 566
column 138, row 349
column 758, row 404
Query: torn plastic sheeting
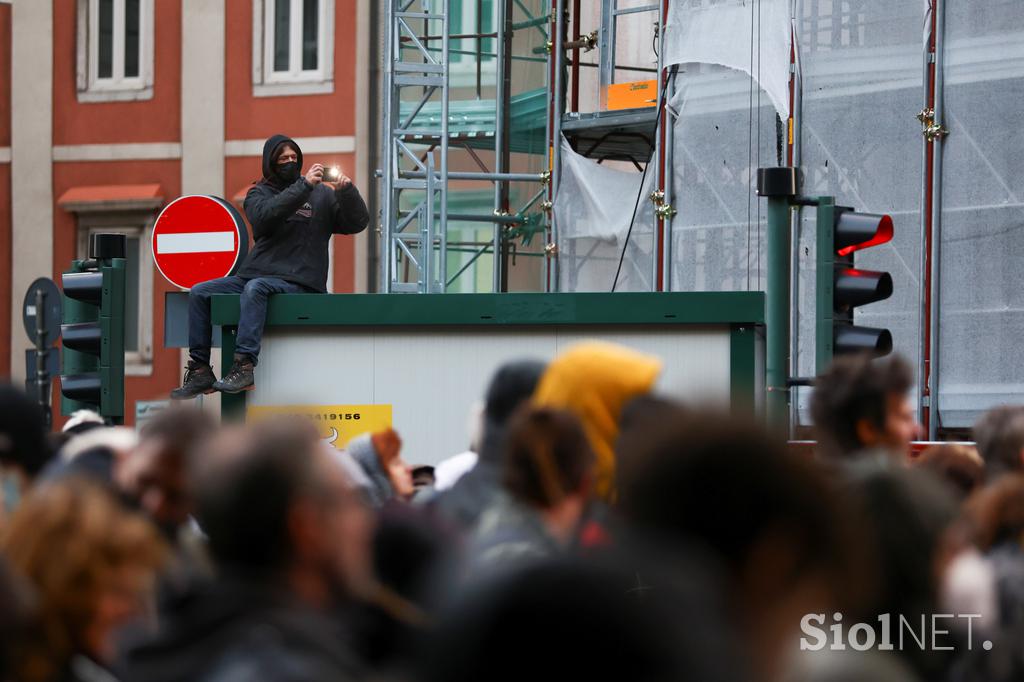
column 723, row 34
column 593, row 209
column 595, row 201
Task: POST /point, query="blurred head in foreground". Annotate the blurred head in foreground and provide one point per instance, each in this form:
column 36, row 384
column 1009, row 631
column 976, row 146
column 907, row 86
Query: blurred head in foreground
column 547, row 480
column 23, row 446
column 93, row 566
column 550, row 466
column 566, row 620
column 1000, row 438
column 277, row 507
column 766, row 520
column 861, row 404
column 958, row 465
column 594, row 381
column 158, row 475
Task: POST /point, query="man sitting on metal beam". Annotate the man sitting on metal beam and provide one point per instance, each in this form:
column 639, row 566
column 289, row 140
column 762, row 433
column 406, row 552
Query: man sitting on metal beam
column 293, row 217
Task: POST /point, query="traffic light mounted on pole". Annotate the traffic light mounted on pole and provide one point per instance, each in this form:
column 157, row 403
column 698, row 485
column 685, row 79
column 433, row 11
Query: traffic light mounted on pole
column 841, row 287
column 92, row 371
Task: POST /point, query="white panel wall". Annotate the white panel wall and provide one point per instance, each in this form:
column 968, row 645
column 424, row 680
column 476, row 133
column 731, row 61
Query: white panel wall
column 432, row 378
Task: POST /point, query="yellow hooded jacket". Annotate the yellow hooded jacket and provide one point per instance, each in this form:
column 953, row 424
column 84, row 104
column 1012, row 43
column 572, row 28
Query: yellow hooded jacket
column 594, row 380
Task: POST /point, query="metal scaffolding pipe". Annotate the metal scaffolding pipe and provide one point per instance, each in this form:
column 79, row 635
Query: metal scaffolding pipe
column 483, row 177
column 442, row 278
column 483, row 218
column 501, row 120
column 386, row 255
column 922, row 348
column 936, row 213
column 670, row 137
column 663, row 224
column 795, row 160
column 558, row 56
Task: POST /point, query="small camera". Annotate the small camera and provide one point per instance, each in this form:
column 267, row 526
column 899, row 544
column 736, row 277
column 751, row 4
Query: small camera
column 333, row 173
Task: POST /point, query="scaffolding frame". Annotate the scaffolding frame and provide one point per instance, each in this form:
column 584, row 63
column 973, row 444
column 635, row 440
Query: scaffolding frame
column 423, row 251
column 659, row 140
column 415, row 240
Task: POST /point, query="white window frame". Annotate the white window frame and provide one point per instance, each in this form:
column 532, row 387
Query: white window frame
column 296, row 81
column 137, row 225
column 92, row 88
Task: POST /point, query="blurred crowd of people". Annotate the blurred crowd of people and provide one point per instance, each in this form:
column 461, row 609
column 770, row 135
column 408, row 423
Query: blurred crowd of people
column 592, row 530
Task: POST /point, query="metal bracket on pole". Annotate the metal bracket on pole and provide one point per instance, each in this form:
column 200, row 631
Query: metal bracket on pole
column 929, row 128
column 586, row 43
column 935, row 132
column 661, row 209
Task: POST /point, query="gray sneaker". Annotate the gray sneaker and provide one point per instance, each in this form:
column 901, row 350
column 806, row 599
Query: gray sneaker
column 239, row 378
column 199, row 379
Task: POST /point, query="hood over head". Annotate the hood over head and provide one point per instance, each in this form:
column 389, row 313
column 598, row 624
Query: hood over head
column 594, row 380
column 272, row 149
column 512, row 385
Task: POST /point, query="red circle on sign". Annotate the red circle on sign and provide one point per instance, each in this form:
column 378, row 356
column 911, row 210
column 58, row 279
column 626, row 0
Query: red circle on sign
column 198, row 238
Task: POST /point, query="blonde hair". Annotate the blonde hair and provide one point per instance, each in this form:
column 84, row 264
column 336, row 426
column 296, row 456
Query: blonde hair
column 68, row 539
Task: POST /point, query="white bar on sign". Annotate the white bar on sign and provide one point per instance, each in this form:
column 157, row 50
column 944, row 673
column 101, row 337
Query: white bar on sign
column 195, row 242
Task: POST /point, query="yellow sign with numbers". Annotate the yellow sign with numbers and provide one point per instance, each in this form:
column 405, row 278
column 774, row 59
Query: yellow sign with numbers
column 338, row 424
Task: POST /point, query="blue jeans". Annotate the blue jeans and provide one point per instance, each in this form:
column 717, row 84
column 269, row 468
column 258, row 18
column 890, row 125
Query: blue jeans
column 255, row 295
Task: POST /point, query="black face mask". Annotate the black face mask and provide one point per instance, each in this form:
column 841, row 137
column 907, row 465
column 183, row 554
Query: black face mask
column 289, row 172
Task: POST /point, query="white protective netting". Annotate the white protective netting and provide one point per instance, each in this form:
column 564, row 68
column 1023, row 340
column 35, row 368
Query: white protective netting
column 861, row 66
column 721, row 137
column 731, row 92
column 862, row 144
column 593, row 209
column 981, row 298
column 751, row 36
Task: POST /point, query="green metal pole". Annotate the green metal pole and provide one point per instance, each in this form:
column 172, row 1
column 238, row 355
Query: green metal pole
column 779, row 185
column 777, row 313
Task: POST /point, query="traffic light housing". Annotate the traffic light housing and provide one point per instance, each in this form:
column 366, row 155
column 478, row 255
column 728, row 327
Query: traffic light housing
column 92, row 370
column 842, row 287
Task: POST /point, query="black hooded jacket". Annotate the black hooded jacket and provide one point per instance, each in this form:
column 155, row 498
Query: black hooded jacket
column 292, row 224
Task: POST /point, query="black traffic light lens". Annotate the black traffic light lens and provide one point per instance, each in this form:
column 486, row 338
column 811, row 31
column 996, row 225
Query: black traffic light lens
column 84, row 286
column 83, row 387
column 83, row 336
column 859, row 287
column 858, row 231
column 852, row 339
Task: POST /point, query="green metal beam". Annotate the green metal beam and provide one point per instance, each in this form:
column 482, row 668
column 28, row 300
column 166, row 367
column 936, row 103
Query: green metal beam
column 507, row 309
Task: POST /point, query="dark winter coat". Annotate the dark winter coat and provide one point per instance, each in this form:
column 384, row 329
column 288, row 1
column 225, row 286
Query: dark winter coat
column 236, row 630
column 465, row 501
column 292, row 224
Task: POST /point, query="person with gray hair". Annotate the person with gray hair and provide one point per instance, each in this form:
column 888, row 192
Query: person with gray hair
column 290, row 541
column 1000, row 438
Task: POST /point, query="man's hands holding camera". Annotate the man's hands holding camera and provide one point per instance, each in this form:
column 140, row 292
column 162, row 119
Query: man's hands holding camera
column 315, row 174
column 336, row 179
column 332, row 177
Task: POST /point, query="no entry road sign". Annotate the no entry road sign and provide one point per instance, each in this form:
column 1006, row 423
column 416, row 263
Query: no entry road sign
column 197, row 238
